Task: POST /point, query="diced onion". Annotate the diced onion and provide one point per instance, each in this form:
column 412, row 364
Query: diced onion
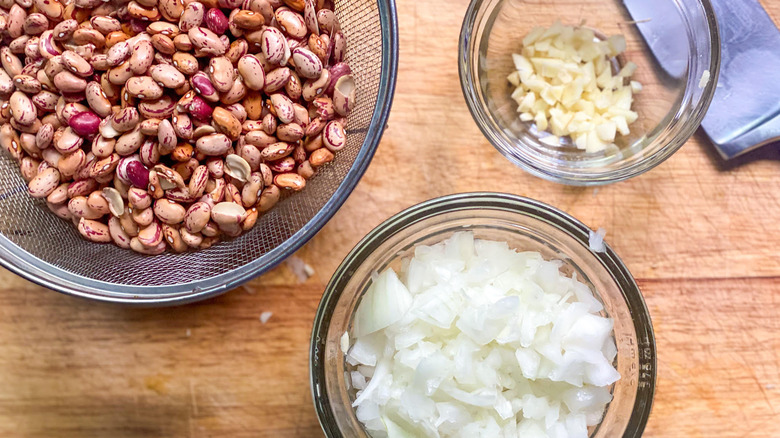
column 475, row 339
column 596, row 240
column 705, row 79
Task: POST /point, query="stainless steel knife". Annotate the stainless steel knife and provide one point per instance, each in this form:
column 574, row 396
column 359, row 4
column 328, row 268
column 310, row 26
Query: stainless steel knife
column 745, row 112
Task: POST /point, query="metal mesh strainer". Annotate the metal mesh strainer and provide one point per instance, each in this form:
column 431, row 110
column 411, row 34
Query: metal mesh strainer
column 39, row 246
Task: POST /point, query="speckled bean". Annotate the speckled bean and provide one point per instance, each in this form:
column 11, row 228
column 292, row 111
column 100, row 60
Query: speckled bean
column 150, row 126
column 321, row 157
column 226, row 123
column 118, row 53
column 221, row 73
column 273, row 45
column 276, row 79
column 45, row 100
column 27, row 142
column 251, row 155
column 307, row 64
column 60, row 210
column 126, row 119
column 29, row 169
column 339, row 47
column 214, row 144
column 71, row 163
column 27, row 84
column 94, row 231
column 69, row 83
column 144, row 87
column 259, row 139
column 67, row 141
column 22, row 108
column 127, row 223
column 105, row 24
column 142, row 57
column 334, row 136
column 251, row 191
column 201, row 83
column 97, row 99
column 10, row 62
column 270, row 124
column 59, row 195
column 286, row 164
column 192, row 240
column 276, row 151
column 192, row 16
column 139, row 198
column 249, row 20
column 198, row 180
column 323, row 108
column 6, row 83
column 327, row 21
column 197, row 217
column 79, row 208
column 51, row 8
column 294, row 87
column 143, row 217
column 313, row 143
column 283, row 107
column 291, row 23
column 268, row 198
column 151, row 235
column 207, row 41
column 137, row 246
column 118, row 234
column 167, row 76
column 104, row 166
column 182, row 125
column 169, row 212
column 98, row 203
column 228, row 213
column 171, row 10
column 290, row 181
column 235, row 94
column 291, row 132
column 76, row 64
column 82, row 187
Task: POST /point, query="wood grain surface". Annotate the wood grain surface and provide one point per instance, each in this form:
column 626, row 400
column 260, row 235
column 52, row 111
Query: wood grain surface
column 702, row 238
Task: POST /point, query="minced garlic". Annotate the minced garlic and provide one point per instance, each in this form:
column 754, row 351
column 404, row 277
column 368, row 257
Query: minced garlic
column 565, row 85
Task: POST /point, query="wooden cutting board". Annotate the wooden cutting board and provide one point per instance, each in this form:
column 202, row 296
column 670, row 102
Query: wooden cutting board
column 701, row 237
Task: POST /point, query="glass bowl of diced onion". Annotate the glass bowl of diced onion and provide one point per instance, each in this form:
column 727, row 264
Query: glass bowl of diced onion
column 526, row 226
column 572, row 92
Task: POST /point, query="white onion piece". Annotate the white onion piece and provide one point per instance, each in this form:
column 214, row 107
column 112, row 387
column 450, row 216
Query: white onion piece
column 476, row 339
column 596, row 240
column 385, row 302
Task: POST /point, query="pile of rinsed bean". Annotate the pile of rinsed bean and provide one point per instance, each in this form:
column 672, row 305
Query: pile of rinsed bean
column 170, row 123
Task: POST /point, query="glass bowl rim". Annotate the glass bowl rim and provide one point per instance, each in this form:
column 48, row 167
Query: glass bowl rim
column 489, row 126
column 33, row 269
column 505, row 202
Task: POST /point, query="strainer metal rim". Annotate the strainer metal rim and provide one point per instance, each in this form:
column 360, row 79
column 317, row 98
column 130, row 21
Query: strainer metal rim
column 22, row 263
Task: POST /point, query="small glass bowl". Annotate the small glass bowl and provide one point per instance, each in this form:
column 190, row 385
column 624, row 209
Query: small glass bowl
column 671, row 105
column 523, row 223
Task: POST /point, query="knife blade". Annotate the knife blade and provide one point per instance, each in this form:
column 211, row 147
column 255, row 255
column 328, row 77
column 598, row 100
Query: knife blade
column 660, row 22
column 745, row 112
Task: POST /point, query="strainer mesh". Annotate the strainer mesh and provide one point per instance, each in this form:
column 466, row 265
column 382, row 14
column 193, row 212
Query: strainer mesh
column 29, row 224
